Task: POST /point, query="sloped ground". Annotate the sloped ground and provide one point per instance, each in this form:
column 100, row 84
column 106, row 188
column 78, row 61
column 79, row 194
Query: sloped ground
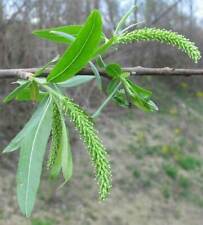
column 157, row 165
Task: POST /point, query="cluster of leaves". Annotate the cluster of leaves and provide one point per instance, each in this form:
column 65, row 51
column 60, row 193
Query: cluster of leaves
column 86, row 45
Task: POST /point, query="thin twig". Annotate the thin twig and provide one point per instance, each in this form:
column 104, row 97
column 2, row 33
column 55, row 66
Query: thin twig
column 136, row 71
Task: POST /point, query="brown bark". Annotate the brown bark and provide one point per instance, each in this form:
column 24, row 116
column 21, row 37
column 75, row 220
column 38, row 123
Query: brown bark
column 135, row 71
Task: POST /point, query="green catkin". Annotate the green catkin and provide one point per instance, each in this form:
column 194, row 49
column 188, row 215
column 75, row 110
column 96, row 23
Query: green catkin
column 56, row 136
column 163, row 36
column 97, row 152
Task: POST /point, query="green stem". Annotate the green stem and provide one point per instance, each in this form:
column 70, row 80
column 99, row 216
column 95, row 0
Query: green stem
column 96, row 114
column 97, row 75
column 52, row 91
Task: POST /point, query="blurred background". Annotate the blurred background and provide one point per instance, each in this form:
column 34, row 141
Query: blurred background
column 156, row 158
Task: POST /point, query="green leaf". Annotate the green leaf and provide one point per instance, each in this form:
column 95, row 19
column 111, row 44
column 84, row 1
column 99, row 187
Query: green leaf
column 104, row 47
column 143, row 104
column 120, row 99
column 40, row 80
column 26, row 91
column 111, row 85
column 100, row 62
column 16, row 141
column 19, row 81
column 124, row 18
column 31, row 159
column 80, row 51
column 140, row 90
column 41, row 70
column 51, row 36
column 26, row 95
column 70, row 38
column 67, row 164
column 119, row 96
column 140, row 97
column 34, row 91
column 15, row 92
column 114, row 70
column 97, row 75
column 137, row 95
column 76, row 81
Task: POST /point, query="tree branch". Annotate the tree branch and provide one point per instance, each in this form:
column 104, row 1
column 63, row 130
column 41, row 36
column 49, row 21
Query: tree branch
column 136, row 71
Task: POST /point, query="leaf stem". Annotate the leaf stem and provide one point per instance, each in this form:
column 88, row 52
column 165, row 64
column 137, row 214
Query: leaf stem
column 52, row 91
column 97, row 74
column 96, row 114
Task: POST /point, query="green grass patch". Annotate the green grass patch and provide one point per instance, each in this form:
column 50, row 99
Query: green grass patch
column 184, row 182
column 166, row 191
column 170, row 170
column 42, row 221
column 136, row 173
column 189, row 162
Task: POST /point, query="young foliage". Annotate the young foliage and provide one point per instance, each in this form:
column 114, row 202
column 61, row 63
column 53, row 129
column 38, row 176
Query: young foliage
column 32, row 151
column 87, row 45
column 76, row 81
column 17, row 140
column 48, row 34
column 16, row 92
column 80, row 51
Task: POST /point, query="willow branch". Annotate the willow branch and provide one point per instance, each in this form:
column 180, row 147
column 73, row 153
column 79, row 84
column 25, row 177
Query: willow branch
column 136, row 71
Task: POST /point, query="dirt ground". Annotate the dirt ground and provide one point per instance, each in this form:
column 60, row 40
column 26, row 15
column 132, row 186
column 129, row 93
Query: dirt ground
column 157, row 166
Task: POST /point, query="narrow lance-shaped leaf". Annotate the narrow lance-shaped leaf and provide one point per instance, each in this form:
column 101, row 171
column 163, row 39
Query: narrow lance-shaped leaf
column 48, row 34
column 114, row 70
column 15, row 92
column 102, row 49
column 139, row 96
column 31, row 159
column 41, row 70
column 140, row 90
column 70, row 38
column 94, row 69
column 76, row 81
column 26, row 95
column 64, row 34
column 16, row 141
column 80, row 51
